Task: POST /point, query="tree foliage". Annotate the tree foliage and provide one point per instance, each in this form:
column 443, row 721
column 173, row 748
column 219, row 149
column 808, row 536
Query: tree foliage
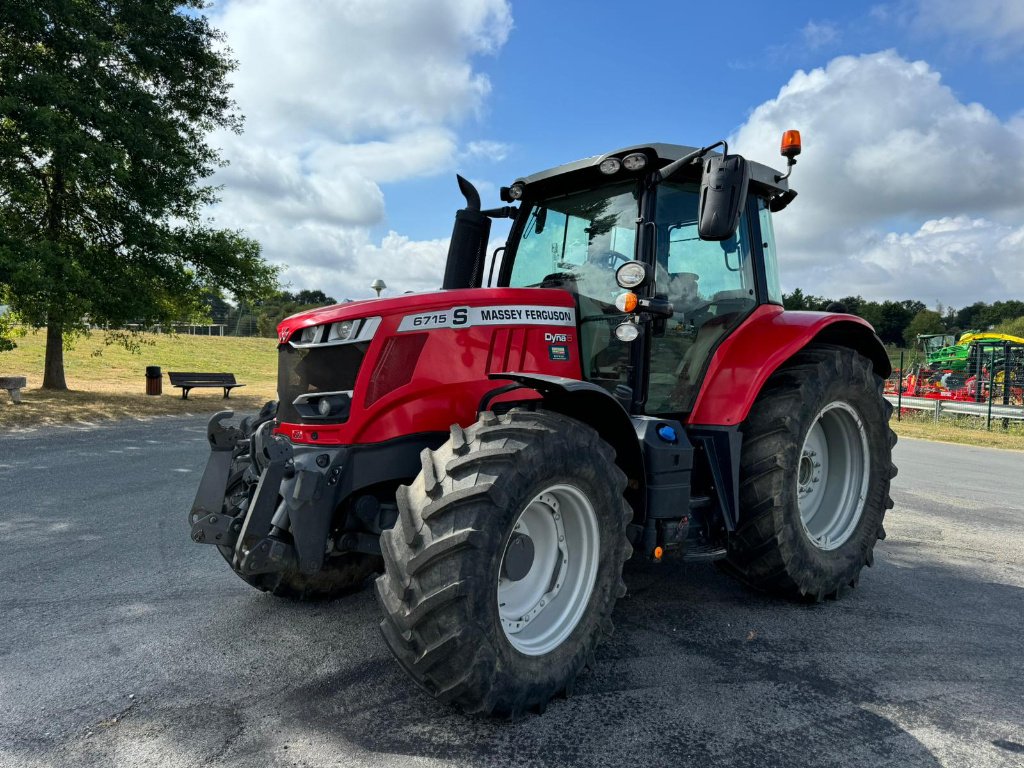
column 104, row 113
column 900, row 322
column 926, row 321
column 262, row 317
column 1014, row 327
column 9, row 328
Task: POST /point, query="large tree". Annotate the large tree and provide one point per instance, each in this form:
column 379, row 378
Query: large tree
column 105, row 111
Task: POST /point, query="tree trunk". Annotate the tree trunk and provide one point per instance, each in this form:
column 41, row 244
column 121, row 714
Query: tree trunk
column 53, row 371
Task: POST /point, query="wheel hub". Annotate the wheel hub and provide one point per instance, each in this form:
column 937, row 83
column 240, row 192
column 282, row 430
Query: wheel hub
column 832, row 475
column 518, row 557
column 548, row 570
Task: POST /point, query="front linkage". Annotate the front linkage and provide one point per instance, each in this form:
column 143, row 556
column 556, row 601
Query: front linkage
column 301, row 521
column 282, row 517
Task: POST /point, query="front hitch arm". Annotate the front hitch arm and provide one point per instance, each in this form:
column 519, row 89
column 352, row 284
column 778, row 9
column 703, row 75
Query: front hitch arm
column 260, row 514
column 223, row 440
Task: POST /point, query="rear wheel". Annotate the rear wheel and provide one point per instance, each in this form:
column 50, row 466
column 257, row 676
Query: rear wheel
column 506, row 561
column 815, row 469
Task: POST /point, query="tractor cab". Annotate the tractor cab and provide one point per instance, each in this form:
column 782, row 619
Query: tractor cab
column 611, row 228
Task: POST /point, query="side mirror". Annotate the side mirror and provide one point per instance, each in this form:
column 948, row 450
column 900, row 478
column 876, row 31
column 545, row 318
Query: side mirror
column 723, row 193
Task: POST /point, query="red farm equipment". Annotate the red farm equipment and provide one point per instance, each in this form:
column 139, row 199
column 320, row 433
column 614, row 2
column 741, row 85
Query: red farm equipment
column 627, row 385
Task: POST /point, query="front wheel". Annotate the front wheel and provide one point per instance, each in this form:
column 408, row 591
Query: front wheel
column 815, row 469
column 506, row 562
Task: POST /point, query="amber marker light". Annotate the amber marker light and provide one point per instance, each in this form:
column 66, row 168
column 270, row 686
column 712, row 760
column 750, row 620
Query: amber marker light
column 790, row 144
column 626, row 302
column 658, row 552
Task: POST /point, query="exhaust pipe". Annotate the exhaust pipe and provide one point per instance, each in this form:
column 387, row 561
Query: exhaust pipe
column 468, row 248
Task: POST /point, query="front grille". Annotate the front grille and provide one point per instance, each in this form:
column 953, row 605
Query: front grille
column 396, row 364
column 326, row 368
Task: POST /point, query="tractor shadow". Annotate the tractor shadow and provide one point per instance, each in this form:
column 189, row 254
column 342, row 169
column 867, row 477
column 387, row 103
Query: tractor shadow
column 919, row 666
column 700, row 669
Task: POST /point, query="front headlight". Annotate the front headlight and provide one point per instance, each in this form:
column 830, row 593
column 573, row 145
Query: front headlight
column 631, row 275
column 343, row 331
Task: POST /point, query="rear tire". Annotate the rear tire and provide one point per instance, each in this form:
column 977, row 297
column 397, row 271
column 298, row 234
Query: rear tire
column 451, row 579
column 815, row 470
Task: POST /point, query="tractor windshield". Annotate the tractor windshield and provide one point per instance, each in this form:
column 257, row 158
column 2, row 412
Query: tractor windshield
column 576, row 242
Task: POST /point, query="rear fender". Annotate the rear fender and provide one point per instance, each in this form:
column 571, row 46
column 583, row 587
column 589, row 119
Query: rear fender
column 763, row 342
column 594, row 406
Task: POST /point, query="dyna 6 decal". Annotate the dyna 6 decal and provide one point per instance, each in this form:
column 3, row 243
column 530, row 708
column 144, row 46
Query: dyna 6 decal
column 509, row 314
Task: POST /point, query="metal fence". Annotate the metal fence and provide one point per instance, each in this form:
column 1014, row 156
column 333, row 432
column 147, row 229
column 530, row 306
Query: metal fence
column 990, row 385
column 938, row 408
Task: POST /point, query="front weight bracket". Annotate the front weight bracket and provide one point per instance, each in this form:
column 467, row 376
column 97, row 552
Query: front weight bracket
column 218, row 529
column 210, row 496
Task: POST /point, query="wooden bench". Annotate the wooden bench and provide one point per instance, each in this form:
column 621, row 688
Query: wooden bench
column 13, row 385
column 189, row 381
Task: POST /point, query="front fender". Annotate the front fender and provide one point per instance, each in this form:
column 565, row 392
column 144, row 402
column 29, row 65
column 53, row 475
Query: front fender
column 594, row 406
column 763, row 342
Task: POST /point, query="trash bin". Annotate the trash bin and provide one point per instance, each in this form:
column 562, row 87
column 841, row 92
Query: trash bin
column 154, row 380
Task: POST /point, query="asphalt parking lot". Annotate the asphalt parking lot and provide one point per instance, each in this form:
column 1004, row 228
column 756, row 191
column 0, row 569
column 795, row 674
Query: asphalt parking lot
column 122, row 643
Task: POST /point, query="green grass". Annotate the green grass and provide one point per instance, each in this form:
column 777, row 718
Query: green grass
column 965, row 430
column 108, row 381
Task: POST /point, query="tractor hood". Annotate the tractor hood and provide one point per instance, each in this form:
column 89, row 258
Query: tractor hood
column 418, row 303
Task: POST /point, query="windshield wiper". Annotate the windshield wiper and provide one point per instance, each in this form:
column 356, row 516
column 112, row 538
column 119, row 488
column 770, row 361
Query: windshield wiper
column 672, row 168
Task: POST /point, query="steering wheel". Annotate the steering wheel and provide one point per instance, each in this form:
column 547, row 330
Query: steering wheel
column 608, row 260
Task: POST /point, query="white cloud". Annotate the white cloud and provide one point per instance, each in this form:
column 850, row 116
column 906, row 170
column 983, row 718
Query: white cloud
column 818, row 35
column 888, row 147
column 343, row 263
column 339, row 98
column 997, row 26
column 488, row 150
column 955, row 260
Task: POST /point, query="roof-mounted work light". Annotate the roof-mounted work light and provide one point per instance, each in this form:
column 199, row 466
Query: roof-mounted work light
column 790, row 144
column 789, row 150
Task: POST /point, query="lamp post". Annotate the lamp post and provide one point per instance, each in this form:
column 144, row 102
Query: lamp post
column 378, row 285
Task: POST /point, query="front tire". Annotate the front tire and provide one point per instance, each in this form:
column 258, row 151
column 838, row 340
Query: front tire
column 815, row 470
column 506, row 562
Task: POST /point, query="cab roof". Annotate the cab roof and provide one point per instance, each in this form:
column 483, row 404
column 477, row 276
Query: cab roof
column 585, row 172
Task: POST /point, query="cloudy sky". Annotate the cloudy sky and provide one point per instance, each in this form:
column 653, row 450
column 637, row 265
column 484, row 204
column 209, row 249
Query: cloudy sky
column 360, row 112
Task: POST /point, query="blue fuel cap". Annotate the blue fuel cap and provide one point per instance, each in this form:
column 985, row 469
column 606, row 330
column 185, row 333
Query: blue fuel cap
column 667, row 433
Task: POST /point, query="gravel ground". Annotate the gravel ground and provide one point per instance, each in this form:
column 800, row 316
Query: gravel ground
column 122, row 643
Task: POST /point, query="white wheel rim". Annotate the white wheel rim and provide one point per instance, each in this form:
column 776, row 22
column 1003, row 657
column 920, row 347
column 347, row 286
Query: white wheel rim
column 832, row 476
column 542, row 608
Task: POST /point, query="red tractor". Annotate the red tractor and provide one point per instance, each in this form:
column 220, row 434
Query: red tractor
column 627, row 385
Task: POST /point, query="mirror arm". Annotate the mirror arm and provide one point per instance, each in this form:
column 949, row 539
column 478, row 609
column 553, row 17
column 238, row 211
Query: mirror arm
column 506, row 212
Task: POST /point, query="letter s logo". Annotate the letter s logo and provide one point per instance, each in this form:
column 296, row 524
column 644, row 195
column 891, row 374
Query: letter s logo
column 460, row 316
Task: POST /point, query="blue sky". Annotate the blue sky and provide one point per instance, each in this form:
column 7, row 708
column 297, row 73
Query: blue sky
column 361, row 111
column 580, row 78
